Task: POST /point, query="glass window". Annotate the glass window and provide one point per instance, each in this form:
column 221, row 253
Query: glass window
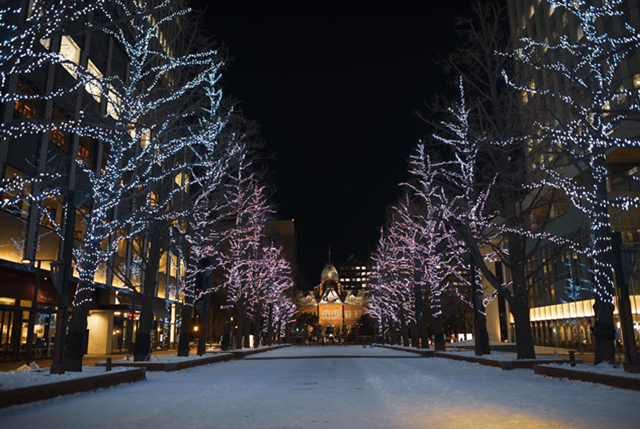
column 26, row 108
column 85, row 150
column 21, row 208
column 93, row 87
column 70, row 50
column 57, row 136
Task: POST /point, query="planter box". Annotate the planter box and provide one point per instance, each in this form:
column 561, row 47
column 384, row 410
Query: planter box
column 174, row 366
column 590, row 377
column 68, row 387
column 241, row 354
column 421, row 352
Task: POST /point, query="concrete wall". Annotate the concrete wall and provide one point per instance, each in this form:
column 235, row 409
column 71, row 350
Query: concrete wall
column 100, row 325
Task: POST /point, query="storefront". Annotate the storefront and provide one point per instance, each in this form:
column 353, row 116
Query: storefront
column 17, row 289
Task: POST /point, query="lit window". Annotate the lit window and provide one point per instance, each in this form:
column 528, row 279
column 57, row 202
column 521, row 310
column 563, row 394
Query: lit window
column 85, row 150
column 70, row 51
column 145, row 138
column 22, row 208
column 334, row 314
column 154, row 198
column 26, row 108
column 57, row 136
column 113, row 104
column 92, row 87
column 325, row 313
column 636, row 81
column 181, row 179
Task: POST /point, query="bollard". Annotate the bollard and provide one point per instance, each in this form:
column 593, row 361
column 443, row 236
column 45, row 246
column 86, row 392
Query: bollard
column 108, row 364
column 572, row 358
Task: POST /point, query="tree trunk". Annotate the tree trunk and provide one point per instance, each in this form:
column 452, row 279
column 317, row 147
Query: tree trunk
column 604, row 328
column 403, row 326
column 519, row 308
column 185, row 330
column 392, row 333
column 226, row 333
column 604, row 332
column 247, row 333
column 143, row 337
column 413, row 328
column 240, row 325
column 257, row 327
column 77, row 335
column 418, row 308
column 270, row 326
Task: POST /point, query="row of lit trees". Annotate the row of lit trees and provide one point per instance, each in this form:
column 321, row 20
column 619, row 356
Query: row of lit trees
column 174, row 147
column 525, row 152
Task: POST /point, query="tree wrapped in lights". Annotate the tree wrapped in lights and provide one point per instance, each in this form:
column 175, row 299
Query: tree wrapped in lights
column 244, row 212
column 587, row 116
column 272, row 278
column 182, row 225
column 147, row 125
column 499, row 217
column 439, row 253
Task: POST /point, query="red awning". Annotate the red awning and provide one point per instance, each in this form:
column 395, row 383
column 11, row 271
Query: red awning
column 19, row 284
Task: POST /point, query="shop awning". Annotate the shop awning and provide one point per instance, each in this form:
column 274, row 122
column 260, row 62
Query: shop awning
column 19, row 284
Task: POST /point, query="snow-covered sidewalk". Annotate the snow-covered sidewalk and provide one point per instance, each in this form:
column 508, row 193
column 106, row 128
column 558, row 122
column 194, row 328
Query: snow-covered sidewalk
column 328, row 392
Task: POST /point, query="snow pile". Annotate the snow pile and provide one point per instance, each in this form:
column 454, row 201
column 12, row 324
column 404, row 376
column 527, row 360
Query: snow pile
column 603, row 368
column 16, row 379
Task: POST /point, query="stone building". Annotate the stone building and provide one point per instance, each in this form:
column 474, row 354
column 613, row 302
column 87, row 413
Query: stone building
column 338, row 309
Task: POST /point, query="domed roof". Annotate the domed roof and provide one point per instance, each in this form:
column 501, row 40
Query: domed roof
column 329, row 272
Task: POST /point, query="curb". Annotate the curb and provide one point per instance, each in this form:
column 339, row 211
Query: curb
column 40, row 392
column 590, row 377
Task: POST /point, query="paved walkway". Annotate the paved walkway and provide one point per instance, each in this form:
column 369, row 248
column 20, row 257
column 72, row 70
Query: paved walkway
column 325, row 391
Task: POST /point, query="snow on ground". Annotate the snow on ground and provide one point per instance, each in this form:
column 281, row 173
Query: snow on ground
column 15, row 379
column 603, row 368
column 333, row 392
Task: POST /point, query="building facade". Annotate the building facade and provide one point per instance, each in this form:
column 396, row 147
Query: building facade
column 561, row 300
column 338, row 309
column 25, row 234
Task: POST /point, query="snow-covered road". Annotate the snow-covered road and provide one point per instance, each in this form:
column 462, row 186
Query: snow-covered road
column 329, row 392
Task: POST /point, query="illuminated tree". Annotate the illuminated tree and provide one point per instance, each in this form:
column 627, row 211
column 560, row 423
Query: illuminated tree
column 146, row 128
column 582, row 119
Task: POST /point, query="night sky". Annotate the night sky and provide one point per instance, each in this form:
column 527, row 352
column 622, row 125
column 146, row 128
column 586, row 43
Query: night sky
column 335, row 94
